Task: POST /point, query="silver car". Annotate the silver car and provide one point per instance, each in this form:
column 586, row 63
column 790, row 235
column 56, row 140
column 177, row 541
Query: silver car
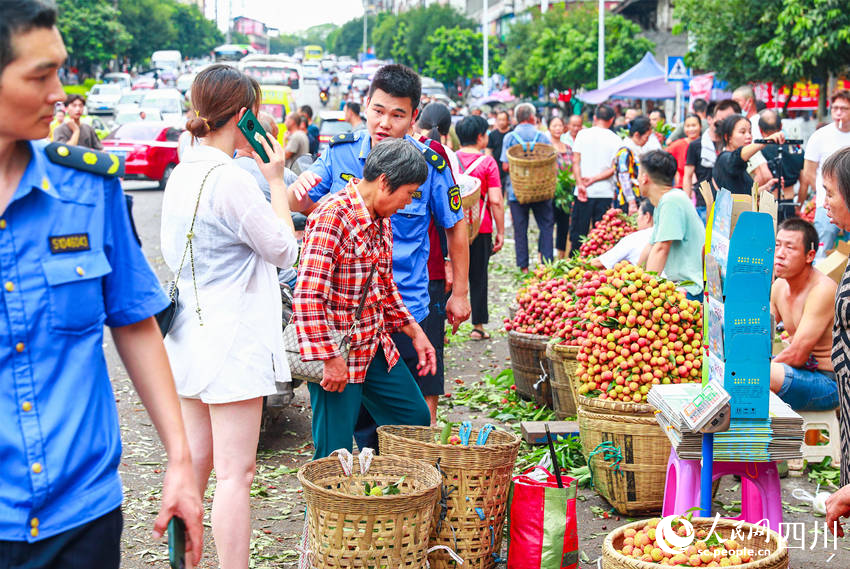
column 103, row 98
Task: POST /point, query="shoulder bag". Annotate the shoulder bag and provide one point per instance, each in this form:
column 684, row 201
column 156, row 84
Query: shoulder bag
column 165, row 317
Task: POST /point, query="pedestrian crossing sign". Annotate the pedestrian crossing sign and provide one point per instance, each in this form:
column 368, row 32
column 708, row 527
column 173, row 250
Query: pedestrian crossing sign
column 677, row 70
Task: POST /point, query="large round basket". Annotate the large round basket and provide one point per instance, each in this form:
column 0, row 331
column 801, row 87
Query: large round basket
column 562, row 362
column 635, row 483
column 472, row 198
column 346, row 528
column 748, row 536
column 475, row 477
column 534, row 173
column 531, row 369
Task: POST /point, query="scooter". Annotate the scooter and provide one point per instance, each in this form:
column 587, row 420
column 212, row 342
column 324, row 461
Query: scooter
column 324, row 95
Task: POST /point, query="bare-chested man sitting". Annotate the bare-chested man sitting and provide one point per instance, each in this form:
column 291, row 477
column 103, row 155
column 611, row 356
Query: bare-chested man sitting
column 803, row 299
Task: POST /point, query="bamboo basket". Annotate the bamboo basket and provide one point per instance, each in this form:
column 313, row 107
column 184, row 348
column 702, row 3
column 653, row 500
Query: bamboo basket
column 533, row 170
column 474, row 477
column 530, row 366
column 512, row 309
column 563, row 364
column 761, row 538
column 346, row 528
column 637, row 486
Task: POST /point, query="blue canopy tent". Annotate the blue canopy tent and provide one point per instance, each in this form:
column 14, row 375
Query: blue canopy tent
column 646, row 80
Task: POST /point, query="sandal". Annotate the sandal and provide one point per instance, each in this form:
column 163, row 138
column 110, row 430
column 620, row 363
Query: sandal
column 477, row 334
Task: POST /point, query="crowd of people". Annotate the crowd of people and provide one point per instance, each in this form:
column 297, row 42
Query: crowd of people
column 387, row 257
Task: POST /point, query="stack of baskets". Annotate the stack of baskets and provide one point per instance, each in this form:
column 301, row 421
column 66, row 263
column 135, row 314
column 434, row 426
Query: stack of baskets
column 563, row 364
column 631, row 475
column 534, row 172
column 476, row 481
column 347, row 528
column 530, row 367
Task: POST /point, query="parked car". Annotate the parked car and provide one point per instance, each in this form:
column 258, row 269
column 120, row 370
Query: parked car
column 168, row 101
column 149, row 149
column 103, row 98
column 331, row 124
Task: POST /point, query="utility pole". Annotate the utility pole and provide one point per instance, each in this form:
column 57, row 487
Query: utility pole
column 230, row 23
column 485, row 31
column 365, row 27
column 600, row 65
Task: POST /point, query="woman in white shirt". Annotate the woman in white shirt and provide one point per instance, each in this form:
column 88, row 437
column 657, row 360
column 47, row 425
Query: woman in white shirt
column 225, row 344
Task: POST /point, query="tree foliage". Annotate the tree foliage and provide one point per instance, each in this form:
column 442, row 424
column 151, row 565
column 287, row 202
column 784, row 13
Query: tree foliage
column 348, row 40
column 150, row 24
column 455, row 52
column 196, row 36
column 91, row 31
column 559, row 49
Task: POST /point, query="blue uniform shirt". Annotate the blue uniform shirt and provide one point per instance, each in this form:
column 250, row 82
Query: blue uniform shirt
column 68, row 265
column 525, row 132
column 345, row 158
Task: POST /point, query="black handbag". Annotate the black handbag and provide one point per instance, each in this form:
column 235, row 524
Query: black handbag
column 165, row 317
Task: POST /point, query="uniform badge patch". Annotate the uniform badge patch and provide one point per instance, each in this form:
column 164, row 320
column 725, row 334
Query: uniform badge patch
column 69, row 243
column 454, row 198
column 346, row 177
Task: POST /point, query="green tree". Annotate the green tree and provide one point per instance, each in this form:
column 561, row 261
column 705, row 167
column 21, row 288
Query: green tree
column 398, row 51
column 810, row 40
column 349, row 39
column 195, row 36
column 724, row 36
column 559, row 50
column 285, row 43
column 151, row 25
column 91, row 31
column 455, row 53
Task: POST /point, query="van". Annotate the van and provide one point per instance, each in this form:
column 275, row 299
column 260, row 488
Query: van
column 169, row 59
column 278, row 102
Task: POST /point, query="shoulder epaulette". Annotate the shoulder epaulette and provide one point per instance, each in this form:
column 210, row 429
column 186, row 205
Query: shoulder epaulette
column 85, row 159
column 434, row 159
column 341, row 138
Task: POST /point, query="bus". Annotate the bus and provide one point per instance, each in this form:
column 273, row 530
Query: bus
column 228, row 53
column 313, row 52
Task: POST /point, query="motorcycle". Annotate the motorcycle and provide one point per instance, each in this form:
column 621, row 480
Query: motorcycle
column 324, row 95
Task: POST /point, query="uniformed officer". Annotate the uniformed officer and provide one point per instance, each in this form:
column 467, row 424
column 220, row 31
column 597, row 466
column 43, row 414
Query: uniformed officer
column 68, row 265
column 391, row 108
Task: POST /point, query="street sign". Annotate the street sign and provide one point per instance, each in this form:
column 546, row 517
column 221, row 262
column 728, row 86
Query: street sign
column 677, row 70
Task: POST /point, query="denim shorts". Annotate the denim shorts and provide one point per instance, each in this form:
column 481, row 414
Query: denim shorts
column 806, row 390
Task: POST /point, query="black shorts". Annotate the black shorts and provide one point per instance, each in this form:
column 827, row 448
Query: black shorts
column 434, row 326
column 95, row 544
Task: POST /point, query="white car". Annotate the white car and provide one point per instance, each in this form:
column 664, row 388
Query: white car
column 311, row 70
column 168, row 101
column 103, row 98
column 129, row 102
column 184, row 81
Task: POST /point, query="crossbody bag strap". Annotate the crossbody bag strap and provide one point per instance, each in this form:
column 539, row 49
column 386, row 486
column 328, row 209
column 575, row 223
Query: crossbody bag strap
column 362, row 304
column 190, row 250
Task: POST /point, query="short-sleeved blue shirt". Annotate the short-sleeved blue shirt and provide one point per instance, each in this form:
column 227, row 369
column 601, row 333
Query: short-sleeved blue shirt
column 524, row 132
column 438, row 196
column 69, row 264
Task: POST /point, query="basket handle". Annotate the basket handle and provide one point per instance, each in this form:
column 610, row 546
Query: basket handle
column 346, row 460
column 457, row 558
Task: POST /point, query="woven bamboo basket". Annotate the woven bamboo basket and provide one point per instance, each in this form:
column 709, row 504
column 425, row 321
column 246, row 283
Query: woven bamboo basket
column 512, row 309
column 534, row 173
column 346, row 528
column 635, row 485
column 761, row 539
column 531, row 369
column 474, row 477
column 471, row 199
column 562, row 362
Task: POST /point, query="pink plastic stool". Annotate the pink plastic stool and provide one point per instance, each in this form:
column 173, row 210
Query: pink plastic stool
column 761, row 494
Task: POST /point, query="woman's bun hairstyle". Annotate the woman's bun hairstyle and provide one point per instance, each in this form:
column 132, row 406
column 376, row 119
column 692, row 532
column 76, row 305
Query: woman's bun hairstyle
column 219, row 92
column 198, row 127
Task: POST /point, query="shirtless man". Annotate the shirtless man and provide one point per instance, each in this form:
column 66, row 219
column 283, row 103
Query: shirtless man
column 802, row 298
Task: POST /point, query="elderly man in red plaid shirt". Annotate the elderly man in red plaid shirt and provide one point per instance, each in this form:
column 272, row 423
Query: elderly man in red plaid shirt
column 345, row 238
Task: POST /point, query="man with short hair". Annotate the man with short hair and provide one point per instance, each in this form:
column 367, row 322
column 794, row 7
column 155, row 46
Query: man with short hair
column 297, row 143
column 311, row 129
column 593, row 170
column 495, row 140
column 630, row 247
column 71, row 265
column 544, row 212
column 803, row 299
column 352, row 115
column 630, row 114
column 787, row 169
column 757, row 164
column 824, row 143
column 392, row 106
column 678, row 237
column 626, row 163
column 574, row 125
column 74, row 132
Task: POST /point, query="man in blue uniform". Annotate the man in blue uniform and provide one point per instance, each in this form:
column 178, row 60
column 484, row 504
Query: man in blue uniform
column 391, row 108
column 68, row 265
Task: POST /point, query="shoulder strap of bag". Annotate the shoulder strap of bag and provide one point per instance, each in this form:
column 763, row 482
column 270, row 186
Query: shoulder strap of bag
column 189, row 249
column 362, row 304
column 468, row 171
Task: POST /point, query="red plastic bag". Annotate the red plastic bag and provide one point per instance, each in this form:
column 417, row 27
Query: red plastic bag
column 542, row 529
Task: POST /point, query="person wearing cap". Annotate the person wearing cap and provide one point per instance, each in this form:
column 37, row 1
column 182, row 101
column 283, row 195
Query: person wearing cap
column 391, row 109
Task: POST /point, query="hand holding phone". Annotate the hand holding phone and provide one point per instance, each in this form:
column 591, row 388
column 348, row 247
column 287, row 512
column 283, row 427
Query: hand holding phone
column 177, row 543
column 251, row 127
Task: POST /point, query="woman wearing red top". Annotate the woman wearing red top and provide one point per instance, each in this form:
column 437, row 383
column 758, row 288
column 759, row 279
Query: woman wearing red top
column 472, row 132
column 346, row 237
column 679, row 149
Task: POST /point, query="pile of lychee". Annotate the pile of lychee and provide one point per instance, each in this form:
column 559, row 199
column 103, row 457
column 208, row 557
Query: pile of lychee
column 705, row 551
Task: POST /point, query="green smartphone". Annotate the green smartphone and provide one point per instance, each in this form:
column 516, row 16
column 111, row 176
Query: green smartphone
column 177, row 543
column 250, row 126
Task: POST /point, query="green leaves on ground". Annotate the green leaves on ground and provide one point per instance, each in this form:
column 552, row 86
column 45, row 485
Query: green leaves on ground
column 824, row 473
column 497, row 396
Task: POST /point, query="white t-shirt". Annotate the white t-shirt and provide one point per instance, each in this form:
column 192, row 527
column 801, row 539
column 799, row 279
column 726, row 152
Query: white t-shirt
column 597, row 147
column 628, row 249
column 823, row 144
column 651, row 143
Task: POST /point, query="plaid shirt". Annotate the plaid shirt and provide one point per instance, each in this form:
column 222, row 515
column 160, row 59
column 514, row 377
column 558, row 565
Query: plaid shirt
column 341, row 244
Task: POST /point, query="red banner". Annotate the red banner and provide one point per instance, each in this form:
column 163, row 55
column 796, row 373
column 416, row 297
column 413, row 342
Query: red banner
column 804, row 96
